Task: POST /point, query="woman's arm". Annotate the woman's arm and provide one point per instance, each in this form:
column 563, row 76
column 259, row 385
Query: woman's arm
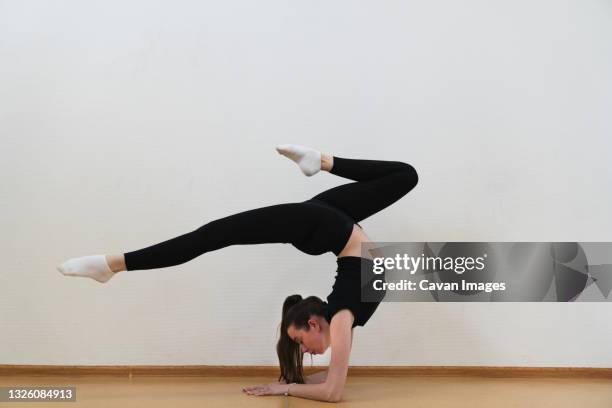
column 341, row 340
column 321, row 376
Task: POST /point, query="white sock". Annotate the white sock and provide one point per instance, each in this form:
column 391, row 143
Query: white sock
column 307, row 158
column 93, row 266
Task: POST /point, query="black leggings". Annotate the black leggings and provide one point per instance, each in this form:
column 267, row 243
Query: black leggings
column 321, row 224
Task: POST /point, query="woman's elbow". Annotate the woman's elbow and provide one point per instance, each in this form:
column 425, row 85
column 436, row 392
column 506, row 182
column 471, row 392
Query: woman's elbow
column 334, row 398
column 335, row 394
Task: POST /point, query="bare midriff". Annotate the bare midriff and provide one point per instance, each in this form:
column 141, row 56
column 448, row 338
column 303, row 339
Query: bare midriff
column 353, row 246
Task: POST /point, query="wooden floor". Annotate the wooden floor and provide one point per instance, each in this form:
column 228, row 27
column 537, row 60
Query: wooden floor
column 380, row 392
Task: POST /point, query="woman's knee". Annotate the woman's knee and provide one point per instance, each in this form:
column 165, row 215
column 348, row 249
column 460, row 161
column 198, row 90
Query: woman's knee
column 410, row 177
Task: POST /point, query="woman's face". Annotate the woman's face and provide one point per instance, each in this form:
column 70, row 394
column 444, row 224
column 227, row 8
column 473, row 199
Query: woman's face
column 315, row 339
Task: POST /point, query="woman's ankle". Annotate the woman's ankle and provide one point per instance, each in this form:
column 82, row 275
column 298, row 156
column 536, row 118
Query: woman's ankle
column 327, row 162
column 116, row 263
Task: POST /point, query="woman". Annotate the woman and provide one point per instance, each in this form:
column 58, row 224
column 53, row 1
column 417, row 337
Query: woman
column 327, row 222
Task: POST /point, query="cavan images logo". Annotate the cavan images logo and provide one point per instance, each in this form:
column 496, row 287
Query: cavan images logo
column 487, row 272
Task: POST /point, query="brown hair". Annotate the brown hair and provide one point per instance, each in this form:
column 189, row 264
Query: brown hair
column 296, row 311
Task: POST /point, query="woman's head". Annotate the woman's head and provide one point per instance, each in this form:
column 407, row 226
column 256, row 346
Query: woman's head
column 303, row 329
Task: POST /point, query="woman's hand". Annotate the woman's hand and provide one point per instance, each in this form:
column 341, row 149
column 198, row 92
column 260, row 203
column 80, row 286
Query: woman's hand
column 267, row 389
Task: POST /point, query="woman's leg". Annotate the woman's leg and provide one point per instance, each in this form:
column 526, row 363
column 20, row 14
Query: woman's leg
column 274, row 224
column 378, row 185
column 284, row 223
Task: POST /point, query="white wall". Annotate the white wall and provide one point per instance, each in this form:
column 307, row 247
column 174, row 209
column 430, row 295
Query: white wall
column 125, row 123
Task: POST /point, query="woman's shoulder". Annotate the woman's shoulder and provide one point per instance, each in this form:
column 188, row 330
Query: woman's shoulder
column 333, row 309
column 342, row 317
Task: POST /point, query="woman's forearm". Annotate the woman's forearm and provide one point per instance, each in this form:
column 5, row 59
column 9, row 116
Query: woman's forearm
column 316, row 378
column 320, row 392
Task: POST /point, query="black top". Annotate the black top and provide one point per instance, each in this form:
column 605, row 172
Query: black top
column 353, row 290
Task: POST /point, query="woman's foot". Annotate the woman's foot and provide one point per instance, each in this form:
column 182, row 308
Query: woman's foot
column 93, row 266
column 307, row 158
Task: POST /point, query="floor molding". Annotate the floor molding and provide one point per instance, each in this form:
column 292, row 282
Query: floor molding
column 273, row 371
